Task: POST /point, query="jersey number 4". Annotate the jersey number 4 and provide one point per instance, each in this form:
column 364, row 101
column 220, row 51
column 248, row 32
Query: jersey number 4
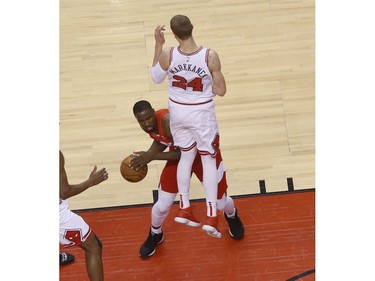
column 181, row 82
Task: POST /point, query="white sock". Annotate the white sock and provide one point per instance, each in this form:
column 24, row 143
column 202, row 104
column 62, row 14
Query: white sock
column 210, row 184
column 156, row 230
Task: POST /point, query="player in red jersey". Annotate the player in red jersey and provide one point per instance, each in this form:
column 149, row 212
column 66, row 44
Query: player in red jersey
column 156, row 124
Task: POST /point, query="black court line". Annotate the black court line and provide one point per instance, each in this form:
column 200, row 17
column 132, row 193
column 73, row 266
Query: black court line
column 290, row 184
column 262, row 186
column 196, row 200
column 301, row 275
column 155, row 195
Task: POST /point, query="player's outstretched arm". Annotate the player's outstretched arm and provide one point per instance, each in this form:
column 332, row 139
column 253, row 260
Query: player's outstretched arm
column 142, row 158
column 155, row 152
column 68, row 190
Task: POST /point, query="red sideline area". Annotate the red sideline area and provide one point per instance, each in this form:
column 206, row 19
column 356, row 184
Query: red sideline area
column 279, row 243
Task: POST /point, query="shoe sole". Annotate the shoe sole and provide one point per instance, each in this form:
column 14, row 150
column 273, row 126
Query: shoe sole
column 186, row 222
column 212, row 231
column 234, row 237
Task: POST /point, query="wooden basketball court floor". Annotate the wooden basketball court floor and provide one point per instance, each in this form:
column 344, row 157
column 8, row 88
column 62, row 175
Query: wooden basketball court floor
column 266, row 120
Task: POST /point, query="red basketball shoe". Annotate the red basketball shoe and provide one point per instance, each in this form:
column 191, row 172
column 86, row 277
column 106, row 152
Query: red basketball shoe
column 185, row 216
column 210, row 226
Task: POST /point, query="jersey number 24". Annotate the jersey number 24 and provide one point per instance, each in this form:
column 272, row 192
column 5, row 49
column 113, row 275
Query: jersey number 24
column 181, row 82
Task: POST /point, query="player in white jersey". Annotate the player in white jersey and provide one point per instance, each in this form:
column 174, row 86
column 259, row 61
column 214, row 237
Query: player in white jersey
column 194, row 78
column 73, row 229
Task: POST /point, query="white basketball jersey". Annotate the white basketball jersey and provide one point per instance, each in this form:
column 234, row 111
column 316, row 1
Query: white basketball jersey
column 189, row 79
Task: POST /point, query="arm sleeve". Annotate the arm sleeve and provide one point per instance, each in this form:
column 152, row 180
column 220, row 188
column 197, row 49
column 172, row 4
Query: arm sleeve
column 158, row 74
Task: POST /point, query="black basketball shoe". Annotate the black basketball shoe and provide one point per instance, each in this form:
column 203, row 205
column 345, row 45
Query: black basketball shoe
column 66, row 258
column 236, row 229
column 149, row 246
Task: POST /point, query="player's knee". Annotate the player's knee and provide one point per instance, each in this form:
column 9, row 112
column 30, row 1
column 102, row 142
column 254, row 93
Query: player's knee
column 164, row 203
column 92, row 245
column 160, row 209
column 99, row 241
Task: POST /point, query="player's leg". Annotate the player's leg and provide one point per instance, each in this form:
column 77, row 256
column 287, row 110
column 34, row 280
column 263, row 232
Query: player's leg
column 207, row 136
column 75, row 231
column 211, row 222
column 210, row 186
column 236, row 229
column 93, row 255
column 185, row 213
column 181, row 124
column 225, row 203
column 166, row 195
column 184, row 174
column 159, row 213
column 161, row 209
column 185, row 216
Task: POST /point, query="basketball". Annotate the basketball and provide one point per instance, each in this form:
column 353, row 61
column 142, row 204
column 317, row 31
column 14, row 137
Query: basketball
column 132, row 175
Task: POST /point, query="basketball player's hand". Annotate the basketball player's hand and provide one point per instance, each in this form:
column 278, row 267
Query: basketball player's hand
column 141, row 158
column 97, row 177
column 159, row 35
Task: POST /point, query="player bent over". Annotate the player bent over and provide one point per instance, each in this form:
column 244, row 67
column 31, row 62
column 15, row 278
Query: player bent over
column 156, row 124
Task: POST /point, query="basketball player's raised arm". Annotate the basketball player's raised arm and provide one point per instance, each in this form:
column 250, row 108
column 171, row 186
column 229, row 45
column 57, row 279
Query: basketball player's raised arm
column 219, row 87
column 160, row 61
column 159, row 42
column 68, row 190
